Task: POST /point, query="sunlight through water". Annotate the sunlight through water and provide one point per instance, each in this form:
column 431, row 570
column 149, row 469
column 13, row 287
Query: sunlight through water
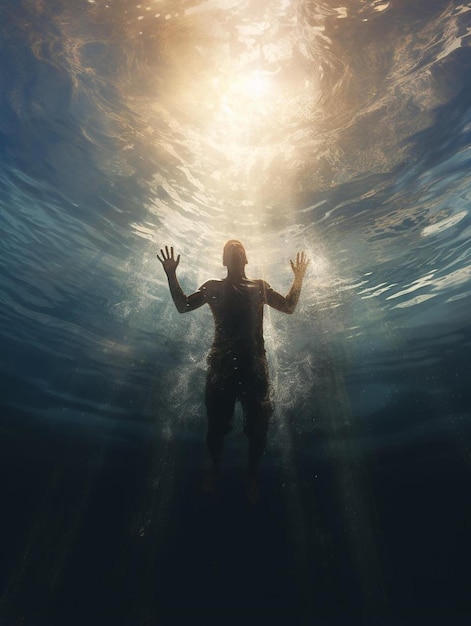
column 341, row 129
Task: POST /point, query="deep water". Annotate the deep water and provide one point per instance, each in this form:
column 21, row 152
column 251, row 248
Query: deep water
column 341, row 129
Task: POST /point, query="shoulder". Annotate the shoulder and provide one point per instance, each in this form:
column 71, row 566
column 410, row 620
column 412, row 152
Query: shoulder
column 263, row 286
column 211, row 286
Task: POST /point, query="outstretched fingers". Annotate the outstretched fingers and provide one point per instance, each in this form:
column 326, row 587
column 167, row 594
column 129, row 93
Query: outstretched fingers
column 169, row 255
column 177, row 260
column 165, row 255
column 300, row 257
column 300, row 266
column 167, row 258
column 303, row 262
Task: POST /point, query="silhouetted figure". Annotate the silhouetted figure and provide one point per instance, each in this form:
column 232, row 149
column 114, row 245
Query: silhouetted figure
column 237, row 362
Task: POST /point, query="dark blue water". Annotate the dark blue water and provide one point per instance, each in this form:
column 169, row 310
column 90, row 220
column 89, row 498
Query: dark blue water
column 341, row 129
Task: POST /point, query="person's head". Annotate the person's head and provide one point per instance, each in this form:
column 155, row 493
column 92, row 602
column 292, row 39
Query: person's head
column 233, row 256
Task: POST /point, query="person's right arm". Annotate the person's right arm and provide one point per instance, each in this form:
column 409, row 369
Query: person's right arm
column 287, row 304
column 182, row 302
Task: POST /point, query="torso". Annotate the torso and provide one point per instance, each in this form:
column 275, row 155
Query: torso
column 237, row 308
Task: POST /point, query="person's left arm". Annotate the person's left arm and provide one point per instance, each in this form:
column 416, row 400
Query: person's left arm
column 183, row 303
column 287, row 304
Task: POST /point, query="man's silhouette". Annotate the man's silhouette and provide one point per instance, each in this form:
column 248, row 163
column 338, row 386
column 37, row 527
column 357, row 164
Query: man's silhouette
column 237, row 363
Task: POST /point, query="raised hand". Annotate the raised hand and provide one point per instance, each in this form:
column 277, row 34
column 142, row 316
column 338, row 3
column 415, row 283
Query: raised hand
column 169, row 263
column 300, row 266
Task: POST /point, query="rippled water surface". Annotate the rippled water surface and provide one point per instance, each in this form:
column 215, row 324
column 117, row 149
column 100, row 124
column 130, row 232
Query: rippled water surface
column 341, row 129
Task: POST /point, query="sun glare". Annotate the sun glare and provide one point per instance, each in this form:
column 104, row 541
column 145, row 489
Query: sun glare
column 255, row 85
column 246, row 95
column 243, row 102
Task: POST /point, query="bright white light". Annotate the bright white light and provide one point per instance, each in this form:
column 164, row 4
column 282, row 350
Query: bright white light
column 256, row 85
column 244, row 95
column 245, row 99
